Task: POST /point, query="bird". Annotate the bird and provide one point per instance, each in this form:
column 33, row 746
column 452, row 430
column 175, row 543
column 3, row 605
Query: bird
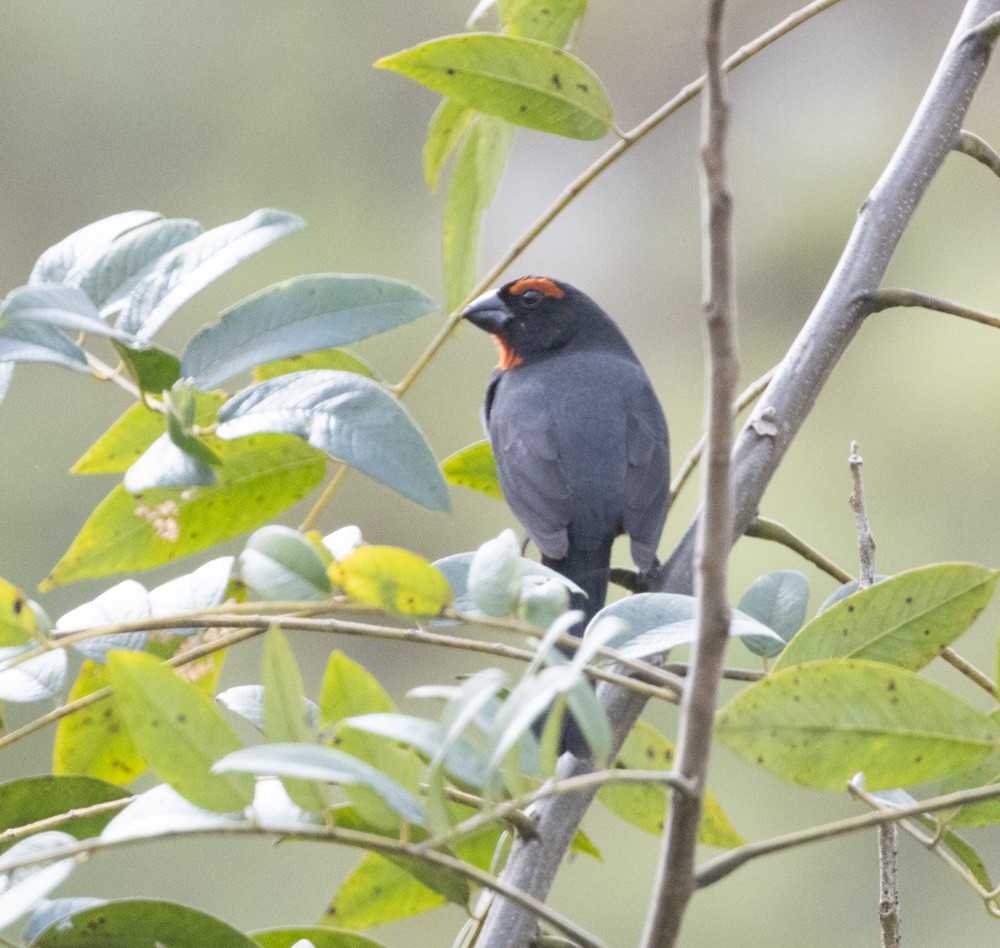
column 579, row 436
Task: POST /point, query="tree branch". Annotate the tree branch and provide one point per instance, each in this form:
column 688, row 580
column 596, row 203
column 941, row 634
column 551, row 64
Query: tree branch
column 787, row 402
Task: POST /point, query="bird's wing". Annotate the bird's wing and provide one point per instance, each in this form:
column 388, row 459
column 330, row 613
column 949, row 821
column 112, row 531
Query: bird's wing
column 531, row 475
column 647, row 480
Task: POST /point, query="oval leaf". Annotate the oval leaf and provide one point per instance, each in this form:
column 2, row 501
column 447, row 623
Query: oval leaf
column 34, row 680
column 36, row 342
column 339, row 359
column 474, row 467
column 903, row 621
column 279, row 563
column 523, row 81
column 779, row 601
column 300, row 315
column 820, row 723
column 178, row 730
column 392, row 579
column 351, row 418
column 54, row 305
column 494, row 580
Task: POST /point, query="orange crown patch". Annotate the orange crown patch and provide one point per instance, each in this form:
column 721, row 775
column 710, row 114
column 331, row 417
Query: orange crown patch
column 544, row 286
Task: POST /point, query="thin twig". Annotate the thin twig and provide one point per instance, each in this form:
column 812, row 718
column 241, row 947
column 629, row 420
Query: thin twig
column 674, row 883
column 104, row 372
column 720, row 867
column 866, row 542
column 969, row 670
column 765, row 529
column 731, row 674
column 746, row 397
column 316, row 511
column 969, row 143
column 890, row 299
column 51, row 822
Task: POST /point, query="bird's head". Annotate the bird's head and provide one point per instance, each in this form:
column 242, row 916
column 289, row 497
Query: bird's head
column 534, row 316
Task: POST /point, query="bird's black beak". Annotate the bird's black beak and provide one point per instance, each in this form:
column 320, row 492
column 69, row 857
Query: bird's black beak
column 488, row 312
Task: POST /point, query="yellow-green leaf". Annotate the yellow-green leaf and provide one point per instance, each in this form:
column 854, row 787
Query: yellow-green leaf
column 905, row 620
column 447, row 126
column 523, row 81
column 260, row 476
column 339, row 359
column 377, row 892
column 474, row 467
column 820, row 723
column 17, row 618
column 178, row 730
column 548, row 20
column 645, row 805
column 392, row 579
column 94, row 741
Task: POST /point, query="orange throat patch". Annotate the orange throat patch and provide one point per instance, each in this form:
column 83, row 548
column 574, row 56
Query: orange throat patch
column 509, row 359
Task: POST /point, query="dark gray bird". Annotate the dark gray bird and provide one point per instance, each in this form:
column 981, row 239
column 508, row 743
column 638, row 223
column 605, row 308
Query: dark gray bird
column 579, row 437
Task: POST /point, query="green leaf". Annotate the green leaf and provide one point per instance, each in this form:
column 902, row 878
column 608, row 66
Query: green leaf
column 142, row 923
column 318, row 937
column 258, row 478
column 645, row 805
column 820, row 723
column 377, row 892
column 339, row 359
column 523, row 81
column 550, row 21
column 779, row 601
column 189, row 268
column 52, row 911
column 447, row 126
column 300, row 315
column 76, row 253
column 392, row 579
column 474, row 467
column 286, row 719
column 350, row 417
column 310, row 762
column 903, row 621
column 154, row 370
column 18, row 625
column 110, row 278
column 349, row 689
column 31, row 799
column 37, row 342
column 21, row 890
column 278, row 563
column 178, row 730
column 93, row 741
column 60, row 306
column 123, row 443
column 478, row 170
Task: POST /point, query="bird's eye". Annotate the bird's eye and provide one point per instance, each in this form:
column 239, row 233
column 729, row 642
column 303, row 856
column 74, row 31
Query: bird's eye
column 531, row 297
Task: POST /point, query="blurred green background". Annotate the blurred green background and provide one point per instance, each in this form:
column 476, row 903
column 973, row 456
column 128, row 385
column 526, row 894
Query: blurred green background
column 210, row 110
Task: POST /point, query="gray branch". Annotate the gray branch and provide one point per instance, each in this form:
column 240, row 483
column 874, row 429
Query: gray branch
column 783, row 408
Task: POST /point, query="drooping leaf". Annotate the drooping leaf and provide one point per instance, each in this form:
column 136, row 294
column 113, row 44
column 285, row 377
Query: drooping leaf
column 111, row 277
column 81, row 249
column 523, row 81
column 278, row 563
column 339, row 359
column 153, row 370
column 143, row 923
column 93, row 741
column 30, row 799
column 189, row 268
column 645, row 805
column 53, row 305
column 478, row 170
column 392, row 579
column 317, row 937
column 349, row 417
column 178, row 730
column 37, row 342
column 311, row 762
column 259, row 477
column 447, row 126
column 201, row 589
column 376, row 892
column 21, row 890
column 298, row 316
column 550, row 21
column 779, row 601
column 819, row 723
column 903, row 621
column 474, row 467
column 126, row 602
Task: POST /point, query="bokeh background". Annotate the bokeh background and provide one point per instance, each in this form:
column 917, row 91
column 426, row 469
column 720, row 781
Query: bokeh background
column 210, row 110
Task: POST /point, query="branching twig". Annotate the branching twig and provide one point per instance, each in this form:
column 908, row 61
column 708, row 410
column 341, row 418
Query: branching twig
column 889, row 299
column 764, row 529
column 674, row 882
column 969, row 143
column 720, row 867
